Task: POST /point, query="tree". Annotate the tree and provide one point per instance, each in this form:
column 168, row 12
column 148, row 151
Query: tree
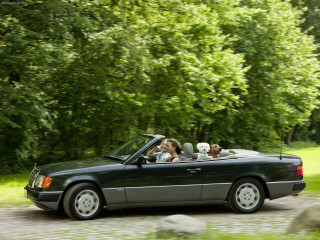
column 311, row 26
column 283, row 68
column 76, row 75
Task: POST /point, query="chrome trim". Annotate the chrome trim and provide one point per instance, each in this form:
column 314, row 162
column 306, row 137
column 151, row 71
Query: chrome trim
column 293, row 181
column 51, row 192
column 213, row 184
column 189, row 185
column 33, row 177
column 118, row 189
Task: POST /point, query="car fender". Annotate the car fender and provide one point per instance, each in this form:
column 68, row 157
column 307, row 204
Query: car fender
column 82, row 178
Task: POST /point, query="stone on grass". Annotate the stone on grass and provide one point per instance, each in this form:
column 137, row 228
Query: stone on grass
column 306, row 222
column 180, row 225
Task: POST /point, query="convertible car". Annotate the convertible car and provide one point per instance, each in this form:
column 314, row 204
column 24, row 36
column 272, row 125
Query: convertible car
column 128, row 178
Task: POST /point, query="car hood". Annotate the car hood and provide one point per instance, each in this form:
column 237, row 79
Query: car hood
column 78, row 164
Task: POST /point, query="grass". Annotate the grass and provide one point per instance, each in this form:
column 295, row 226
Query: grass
column 311, row 165
column 11, row 190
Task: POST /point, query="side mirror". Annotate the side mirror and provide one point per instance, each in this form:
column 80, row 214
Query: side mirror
column 141, row 160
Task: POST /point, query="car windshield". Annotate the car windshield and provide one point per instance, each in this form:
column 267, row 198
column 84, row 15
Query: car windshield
column 130, row 147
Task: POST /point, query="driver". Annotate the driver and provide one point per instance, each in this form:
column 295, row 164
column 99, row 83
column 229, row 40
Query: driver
column 174, row 148
column 160, row 152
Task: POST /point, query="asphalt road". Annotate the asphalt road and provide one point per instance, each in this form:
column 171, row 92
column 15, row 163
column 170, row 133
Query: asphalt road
column 34, row 223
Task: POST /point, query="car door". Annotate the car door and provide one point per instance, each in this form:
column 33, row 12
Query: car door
column 218, row 177
column 163, row 182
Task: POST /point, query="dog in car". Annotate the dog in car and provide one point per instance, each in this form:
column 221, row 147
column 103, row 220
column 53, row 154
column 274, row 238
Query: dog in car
column 203, row 148
column 215, row 150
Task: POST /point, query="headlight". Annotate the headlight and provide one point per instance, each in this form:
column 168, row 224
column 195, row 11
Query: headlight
column 43, row 181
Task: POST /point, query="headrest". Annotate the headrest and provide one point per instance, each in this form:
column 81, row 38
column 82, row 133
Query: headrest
column 188, row 148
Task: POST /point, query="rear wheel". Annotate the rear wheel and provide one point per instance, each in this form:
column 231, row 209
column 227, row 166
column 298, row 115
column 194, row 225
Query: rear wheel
column 246, row 196
column 83, row 201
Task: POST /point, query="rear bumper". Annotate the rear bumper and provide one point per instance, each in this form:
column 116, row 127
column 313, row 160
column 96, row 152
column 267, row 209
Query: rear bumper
column 298, row 187
column 285, row 188
column 48, row 200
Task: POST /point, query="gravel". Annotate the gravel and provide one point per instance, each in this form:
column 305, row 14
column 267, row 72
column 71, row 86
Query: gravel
column 33, row 223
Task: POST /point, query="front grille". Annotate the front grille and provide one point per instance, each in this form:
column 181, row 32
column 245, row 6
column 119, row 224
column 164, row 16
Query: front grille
column 33, row 177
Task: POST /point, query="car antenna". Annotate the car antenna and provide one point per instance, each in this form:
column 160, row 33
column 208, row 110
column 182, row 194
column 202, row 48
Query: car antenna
column 281, row 143
column 281, row 133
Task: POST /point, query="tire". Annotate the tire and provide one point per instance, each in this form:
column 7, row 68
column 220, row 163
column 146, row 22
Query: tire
column 246, row 196
column 83, row 201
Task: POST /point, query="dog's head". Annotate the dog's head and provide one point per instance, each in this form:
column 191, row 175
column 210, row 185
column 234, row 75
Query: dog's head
column 215, row 148
column 203, row 147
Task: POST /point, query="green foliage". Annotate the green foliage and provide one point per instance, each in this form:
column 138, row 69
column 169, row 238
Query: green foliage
column 310, row 25
column 311, row 16
column 283, row 74
column 89, row 74
column 11, row 189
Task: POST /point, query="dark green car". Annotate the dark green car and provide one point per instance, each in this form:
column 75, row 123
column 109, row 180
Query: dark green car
column 127, row 178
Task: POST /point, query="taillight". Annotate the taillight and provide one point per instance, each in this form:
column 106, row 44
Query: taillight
column 299, row 170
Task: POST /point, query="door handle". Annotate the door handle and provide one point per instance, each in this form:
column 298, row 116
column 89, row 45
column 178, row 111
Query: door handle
column 193, row 170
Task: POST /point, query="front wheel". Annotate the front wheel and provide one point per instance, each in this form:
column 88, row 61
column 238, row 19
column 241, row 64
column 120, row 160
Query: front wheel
column 83, row 201
column 246, row 196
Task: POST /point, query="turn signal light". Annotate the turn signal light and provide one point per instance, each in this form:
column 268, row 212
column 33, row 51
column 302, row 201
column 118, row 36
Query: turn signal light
column 299, row 170
column 46, row 182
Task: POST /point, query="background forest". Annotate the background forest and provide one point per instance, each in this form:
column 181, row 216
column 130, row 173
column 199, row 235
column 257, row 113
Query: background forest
column 83, row 76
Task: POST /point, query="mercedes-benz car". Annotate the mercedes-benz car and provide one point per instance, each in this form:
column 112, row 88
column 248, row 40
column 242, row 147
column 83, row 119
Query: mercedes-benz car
column 127, row 178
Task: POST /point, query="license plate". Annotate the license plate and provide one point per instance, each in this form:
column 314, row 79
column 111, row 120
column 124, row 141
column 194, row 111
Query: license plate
column 26, row 193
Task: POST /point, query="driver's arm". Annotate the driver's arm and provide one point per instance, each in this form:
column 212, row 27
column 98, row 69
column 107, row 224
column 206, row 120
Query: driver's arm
column 152, row 153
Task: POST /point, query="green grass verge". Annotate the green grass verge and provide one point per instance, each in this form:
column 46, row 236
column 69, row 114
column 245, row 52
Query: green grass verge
column 311, row 165
column 11, row 190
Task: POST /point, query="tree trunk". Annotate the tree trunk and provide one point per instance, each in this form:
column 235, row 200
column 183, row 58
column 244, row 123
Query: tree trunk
column 290, row 134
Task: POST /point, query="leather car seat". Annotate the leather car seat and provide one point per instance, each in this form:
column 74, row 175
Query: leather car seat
column 187, row 153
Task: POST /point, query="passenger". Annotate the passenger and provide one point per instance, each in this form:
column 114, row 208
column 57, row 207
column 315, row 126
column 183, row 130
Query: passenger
column 174, row 148
column 162, row 154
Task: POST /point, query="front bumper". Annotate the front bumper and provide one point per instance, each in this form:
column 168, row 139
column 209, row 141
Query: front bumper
column 48, row 200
